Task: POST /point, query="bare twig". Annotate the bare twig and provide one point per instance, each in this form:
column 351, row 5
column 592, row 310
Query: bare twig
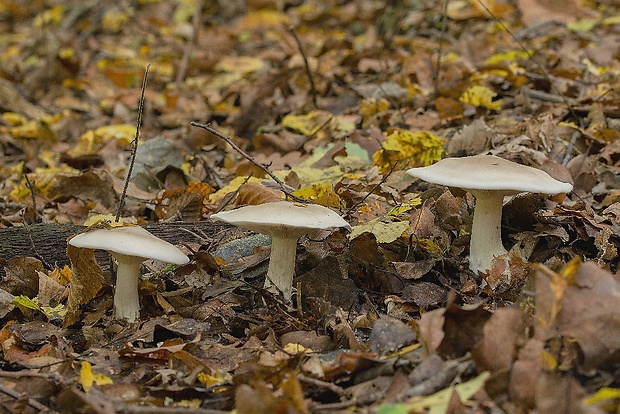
column 134, row 146
column 313, row 91
column 30, row 186
column 249, row 158
column 323, row 384
column 189, row 45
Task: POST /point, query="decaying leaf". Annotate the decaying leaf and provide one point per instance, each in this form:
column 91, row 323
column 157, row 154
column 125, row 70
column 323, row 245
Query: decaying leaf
column 409, row 149
column 384, row 230
column 86, row 281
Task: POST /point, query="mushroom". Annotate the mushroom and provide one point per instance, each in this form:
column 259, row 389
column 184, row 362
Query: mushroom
column 285, row 222
column 129, row 246
column 489, row 179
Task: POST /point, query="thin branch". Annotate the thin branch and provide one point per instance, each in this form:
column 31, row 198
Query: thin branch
column 30, row 186
column 249, row 158
column 313, row 91
column 134, row 146
column 189, row 45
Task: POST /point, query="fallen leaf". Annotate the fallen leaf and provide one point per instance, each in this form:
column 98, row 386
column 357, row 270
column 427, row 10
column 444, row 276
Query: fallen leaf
column 86, row 281
column 409, row 149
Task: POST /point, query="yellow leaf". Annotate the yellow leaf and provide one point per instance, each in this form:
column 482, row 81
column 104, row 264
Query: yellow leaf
column 49, row 16
column 428, row 246
column 115, row 19
column 308, row 124
column 93, row 140
column 310, row 175
column 373, row 106
column 108, row 219
column 218, row 378
column 404, row 207
column 14, row 119
column 62, row 276
column 59, row 311
column 321, row 193
column 570, row 269
column 582, row 25
column 101, row 379
column 439, row 402
column 548, row 361
column 295, row 349
column 86, row 376
column 603, row 394
column 43, row 180
column 481, row 96
column 384, row 231
column 409, row 149
column 510, row 56
column 194, row 403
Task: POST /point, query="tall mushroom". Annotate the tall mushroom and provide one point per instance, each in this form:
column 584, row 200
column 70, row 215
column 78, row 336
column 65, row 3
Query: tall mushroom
column 129, row 246
column 489, row 179
column 284, row 222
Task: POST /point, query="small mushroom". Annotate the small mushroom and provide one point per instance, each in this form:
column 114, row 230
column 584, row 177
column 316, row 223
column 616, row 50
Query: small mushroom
column 284, row 222
column 129, row 246
column 489, row 179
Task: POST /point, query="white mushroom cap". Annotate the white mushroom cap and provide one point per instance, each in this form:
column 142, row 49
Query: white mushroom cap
column 488, row 172
column 285, row 222
column 130, row 241
column 283, row 217
column 130, row 246
column 489, row 179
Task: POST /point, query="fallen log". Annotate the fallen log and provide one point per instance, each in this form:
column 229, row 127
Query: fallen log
column 48, row 242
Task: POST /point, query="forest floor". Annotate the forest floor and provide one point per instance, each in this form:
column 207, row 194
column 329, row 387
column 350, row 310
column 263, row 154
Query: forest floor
column 329, row 103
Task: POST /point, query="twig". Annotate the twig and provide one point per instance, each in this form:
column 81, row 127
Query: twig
column 30, row 186
column 383, row 180
column 189, row 45
column 313, row 91
column 134, row 146
column 31, row 402
column 440, row 48
column 543, row 96
column 249, row 158
column 323, row 384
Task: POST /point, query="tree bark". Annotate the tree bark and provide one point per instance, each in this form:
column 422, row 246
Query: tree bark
column 48, row 242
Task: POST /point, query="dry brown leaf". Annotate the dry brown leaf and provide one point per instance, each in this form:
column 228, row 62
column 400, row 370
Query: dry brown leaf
column 87, row 280
column 590, row 314
column 525, row 373
column 50, row 291
column 255, row 194
column 503, row 333
column 538, row 11
column 22, row 276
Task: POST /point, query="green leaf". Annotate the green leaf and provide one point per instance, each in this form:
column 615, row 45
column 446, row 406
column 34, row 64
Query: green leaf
column 25, row 302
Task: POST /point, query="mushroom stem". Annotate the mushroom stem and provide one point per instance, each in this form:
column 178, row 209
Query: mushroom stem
column 486, row 236
column 281, row 265
column 126, row 298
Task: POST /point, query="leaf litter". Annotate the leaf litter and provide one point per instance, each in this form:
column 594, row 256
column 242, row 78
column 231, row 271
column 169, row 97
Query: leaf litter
column 337, row 100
